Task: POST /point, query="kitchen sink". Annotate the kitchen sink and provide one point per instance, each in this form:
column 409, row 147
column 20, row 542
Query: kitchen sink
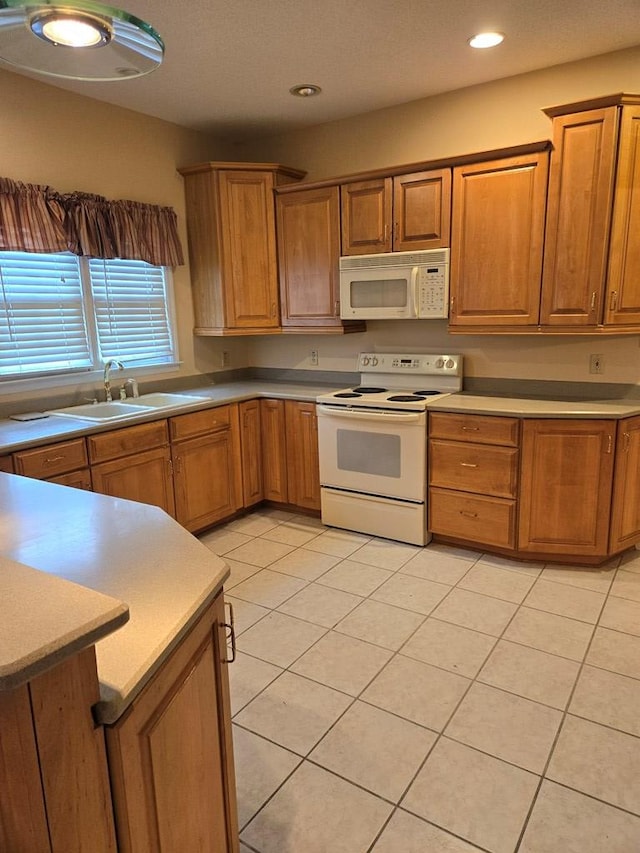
column 98, row 411
column 164, row 401
column 131, row 408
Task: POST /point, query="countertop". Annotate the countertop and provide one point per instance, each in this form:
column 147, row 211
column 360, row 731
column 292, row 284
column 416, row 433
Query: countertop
column 130, row 552
column 528, row 408
column 20, row 435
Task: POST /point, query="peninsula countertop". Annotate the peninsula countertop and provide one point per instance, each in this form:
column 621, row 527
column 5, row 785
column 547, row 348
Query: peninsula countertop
column 130, row 552
column 518, row 407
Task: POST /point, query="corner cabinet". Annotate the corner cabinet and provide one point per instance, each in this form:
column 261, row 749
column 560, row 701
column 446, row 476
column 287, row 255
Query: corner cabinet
column 308, row 226
column 303, row 468
column 232, row 245
column 592, row 251
column 171, row 754
column 397, row 214
column 567, row 474
column 497, row 238
column 625, row 510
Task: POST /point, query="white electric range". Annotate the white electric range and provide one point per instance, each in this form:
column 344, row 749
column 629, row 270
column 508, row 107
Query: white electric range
column 373, row 444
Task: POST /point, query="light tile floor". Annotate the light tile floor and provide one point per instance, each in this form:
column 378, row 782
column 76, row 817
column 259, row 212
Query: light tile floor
column 396, row 699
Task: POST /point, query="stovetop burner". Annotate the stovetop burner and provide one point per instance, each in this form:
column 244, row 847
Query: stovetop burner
column 347, row 394
column 426, row 393
column 404, row 398
column 369, row 389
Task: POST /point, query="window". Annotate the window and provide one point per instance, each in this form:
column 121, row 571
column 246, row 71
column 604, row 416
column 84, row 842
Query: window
column 62, row 314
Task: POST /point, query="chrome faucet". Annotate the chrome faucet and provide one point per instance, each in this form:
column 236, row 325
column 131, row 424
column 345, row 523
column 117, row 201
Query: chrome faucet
column 107, row 384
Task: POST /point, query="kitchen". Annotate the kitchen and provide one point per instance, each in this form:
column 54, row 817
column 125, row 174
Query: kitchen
column 502, row 113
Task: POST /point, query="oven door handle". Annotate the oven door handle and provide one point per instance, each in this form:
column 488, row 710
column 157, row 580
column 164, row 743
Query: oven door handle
column 379, row 415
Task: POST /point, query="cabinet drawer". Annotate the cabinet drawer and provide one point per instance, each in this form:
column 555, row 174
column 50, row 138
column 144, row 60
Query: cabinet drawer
column 490, row 521
column 51, row 460
column 473, row 468
column 123, row 442
column 481, row 429
column 198, row 423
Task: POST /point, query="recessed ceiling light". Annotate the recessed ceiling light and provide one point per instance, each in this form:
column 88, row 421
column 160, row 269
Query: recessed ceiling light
column 305, row 90
column 482, row 40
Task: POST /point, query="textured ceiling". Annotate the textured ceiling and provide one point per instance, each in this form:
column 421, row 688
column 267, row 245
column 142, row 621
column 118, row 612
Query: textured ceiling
column 229, row 64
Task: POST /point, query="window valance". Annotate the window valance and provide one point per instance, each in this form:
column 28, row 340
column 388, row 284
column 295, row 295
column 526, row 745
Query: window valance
column 37, row 218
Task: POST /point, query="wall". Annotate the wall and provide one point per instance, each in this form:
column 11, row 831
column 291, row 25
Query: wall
column 494, row 115
column 50, row 136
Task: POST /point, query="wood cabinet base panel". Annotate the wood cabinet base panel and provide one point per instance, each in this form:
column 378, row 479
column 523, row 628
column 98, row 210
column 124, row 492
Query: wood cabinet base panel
column 526, row 556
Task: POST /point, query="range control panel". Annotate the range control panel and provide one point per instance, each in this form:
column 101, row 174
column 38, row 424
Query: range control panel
column 391, row 362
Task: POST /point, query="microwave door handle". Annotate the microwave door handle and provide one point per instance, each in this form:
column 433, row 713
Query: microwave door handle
column 414, row 290
column 360, row 414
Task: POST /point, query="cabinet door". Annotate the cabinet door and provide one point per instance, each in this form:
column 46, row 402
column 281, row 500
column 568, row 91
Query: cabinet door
column 208, row 479
column 623, row 294
column 366, row 217
column 76, row 479
column 249, row 264
column 303, row 472
column 496, row 241
column 579, row 211
column 308, row 253
column 252, row 490
column 274, row 450
column 6, row 464
column 422, row 210
column 566, row 478
column 171, row 755
column 625, row 513
column 144, row 477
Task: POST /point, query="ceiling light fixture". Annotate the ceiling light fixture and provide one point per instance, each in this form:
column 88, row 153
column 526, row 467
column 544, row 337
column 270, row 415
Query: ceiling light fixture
column 482, row 40
column 305, row 90
column 78, row 40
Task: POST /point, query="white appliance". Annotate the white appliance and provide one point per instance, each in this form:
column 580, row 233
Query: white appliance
column 373, row 444
column 395, row 285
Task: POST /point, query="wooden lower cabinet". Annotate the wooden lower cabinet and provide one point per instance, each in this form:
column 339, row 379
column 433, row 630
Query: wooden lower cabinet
column 566, row 481
column 171, row 755
column 207, row 467
column 6, row 464
column 625, row 510
column 134, row 463
column 274, row 450
column 250, row 437
column 54, row 781
column 303, row 469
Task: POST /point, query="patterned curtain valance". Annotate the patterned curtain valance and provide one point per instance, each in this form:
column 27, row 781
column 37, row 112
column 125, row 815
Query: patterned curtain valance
column 36, row 218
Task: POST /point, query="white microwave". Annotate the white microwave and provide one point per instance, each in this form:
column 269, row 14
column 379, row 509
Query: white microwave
column 395, row 285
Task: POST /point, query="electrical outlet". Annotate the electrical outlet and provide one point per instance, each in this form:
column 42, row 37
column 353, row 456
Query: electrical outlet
column 314, row 357
column 226, row 358
column 596, row 363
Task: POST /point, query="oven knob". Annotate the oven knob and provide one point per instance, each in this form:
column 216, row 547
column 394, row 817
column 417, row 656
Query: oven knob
column 365, row 360
column 450, row 363
column 440, row 363
column 374, row 361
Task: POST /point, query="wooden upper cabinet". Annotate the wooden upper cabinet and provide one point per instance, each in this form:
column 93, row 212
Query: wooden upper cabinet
column 592, row 251
column 422, row 210
column 565, row 487
column 497, row 240
column 622, row 305
column 366, row 217
column 232, row 246
column 578, row 218
column 397, row 214
column 308, row 227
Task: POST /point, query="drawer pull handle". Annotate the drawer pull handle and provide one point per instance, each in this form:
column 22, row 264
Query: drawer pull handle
column 468, row 514
column 470, row 429
column 230, row 626
column 468, row 465
column 51, row 460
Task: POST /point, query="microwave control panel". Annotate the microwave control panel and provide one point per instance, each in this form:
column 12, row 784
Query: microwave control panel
column 433, row 291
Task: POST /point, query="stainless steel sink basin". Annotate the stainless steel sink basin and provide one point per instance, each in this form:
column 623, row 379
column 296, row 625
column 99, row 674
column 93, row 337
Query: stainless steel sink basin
column 164, row 401
column 98, row 411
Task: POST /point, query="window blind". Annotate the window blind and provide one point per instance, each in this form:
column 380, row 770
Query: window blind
column 130, row 307
column 42, row 319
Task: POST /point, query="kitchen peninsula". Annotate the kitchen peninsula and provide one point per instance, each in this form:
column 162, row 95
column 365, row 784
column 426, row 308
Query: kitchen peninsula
column 156, row 691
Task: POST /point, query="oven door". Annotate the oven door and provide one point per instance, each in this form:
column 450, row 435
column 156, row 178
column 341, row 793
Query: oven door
column 373, row 451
